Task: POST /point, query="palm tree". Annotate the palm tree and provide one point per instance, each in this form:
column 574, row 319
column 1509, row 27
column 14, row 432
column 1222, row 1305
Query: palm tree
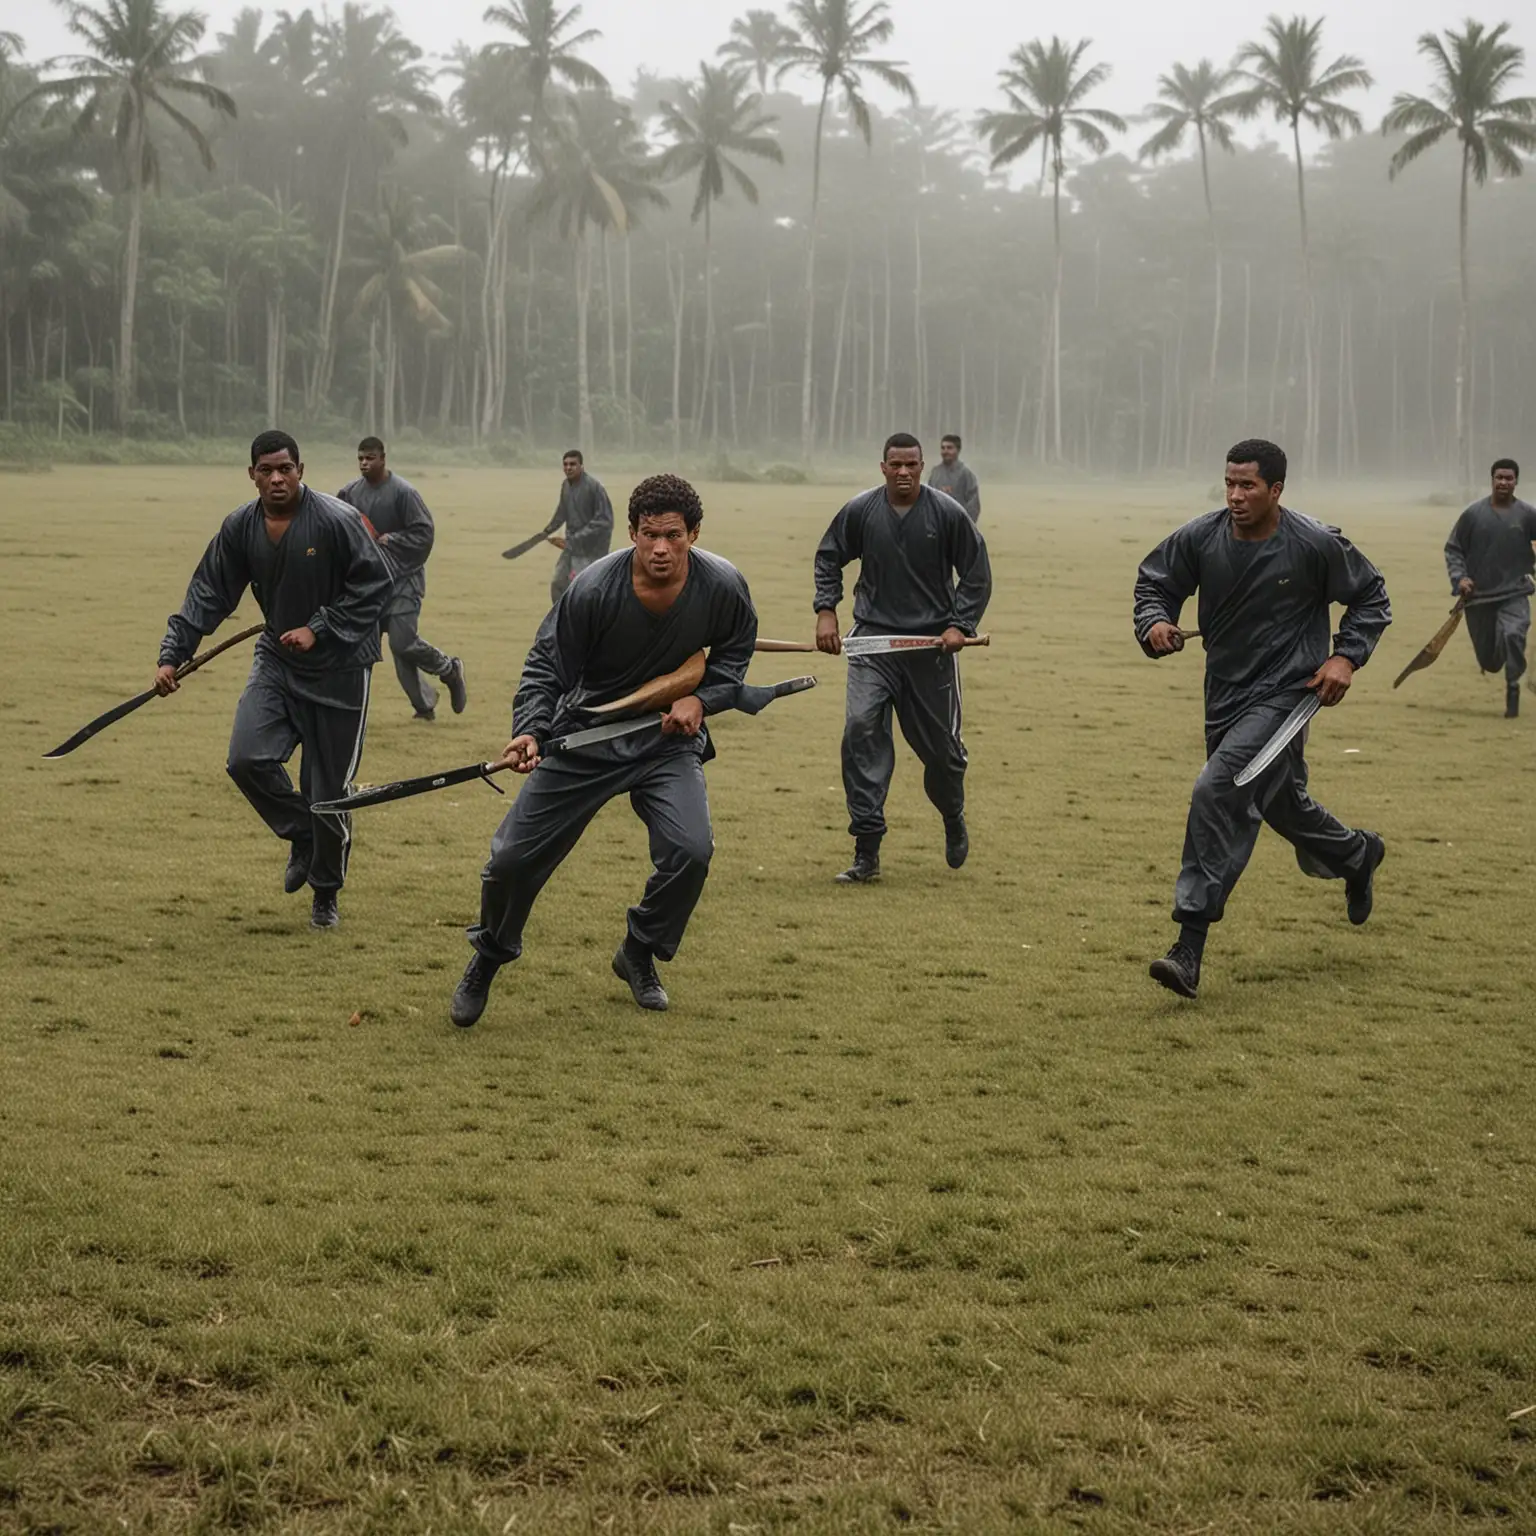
column 597, row 174
column 544, row 55
column 757, row 44
column 137, row 50
column 1472, row 69
column 370, row 78
column 1285, row 77
column 1197, row 98
column 399, row 271
column 1046, row 91
column 833, row 43
column 715, row 118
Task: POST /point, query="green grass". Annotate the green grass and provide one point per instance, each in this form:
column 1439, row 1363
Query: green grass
column 922, row 1208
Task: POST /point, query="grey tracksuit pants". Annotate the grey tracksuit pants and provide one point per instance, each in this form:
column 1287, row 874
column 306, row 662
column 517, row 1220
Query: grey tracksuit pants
column 567, row 568
column 922, row 689
column 557, row 801
column 412, row 656
column 1498, row 636
column 1224, row 820
column 271, row 720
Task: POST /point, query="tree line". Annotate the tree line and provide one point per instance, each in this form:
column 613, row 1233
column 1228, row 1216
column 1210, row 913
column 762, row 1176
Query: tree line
column 304, row 222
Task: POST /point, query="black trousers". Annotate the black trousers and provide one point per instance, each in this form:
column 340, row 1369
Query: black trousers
column 557, row 801
column 1224, row 820
column 922, row 690
column 412, row 656
column 271, row 720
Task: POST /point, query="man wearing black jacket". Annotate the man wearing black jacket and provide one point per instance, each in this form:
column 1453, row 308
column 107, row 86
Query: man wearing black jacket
column 398, row 518
column 1266, row 576
column 923, row 570
column 636, row 615
column 322, row 585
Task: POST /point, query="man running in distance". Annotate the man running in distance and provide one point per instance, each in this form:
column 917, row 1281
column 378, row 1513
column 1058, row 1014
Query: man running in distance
column 1488, row 554
column 923, row 570
column 322, row 585
column 398, row 518
column 955, row 478
column 586, row 514
column 1266, row 576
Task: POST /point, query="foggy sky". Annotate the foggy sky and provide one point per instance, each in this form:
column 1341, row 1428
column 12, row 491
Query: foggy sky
column 952, row 48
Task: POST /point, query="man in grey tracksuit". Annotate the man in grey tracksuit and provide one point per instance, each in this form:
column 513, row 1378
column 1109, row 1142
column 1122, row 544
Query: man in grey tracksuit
column 322, row 584
column 1488, row 552
column 1266, row 576
column 586, row 514
column 635, row 616
column 398, row 518
column 923, row 570
column 955, row 477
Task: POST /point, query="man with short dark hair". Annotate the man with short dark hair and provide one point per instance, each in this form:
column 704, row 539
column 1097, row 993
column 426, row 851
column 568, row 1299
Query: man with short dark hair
column 923, row 570
column 1266, row 576
column 397, row 517
column 955, row 478
column 1488, row 554
column 637, row 615
column 322, row 585
column 586, row 514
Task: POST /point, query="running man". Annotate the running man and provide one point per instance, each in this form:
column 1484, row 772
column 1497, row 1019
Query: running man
column 586, row 514
column 1489, row 552
column 1266, row 576
column 398, row 518
column 955, row 478
column 634, row 616
column 322, row 585
column 923, row 570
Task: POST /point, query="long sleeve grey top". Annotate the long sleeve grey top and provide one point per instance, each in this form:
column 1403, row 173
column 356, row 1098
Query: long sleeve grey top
column 1264, row 606
column 587, row 517
column 325, row 572
column 959, row 480
column 403, row 524
column 599, row 642
column 920, row 571
column 1492, row 547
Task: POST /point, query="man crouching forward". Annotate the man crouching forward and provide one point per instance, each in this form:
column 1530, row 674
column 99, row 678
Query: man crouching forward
column 631, row 617
column 1266, row 576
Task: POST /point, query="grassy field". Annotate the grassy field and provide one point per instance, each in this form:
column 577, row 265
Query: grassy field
column 923, row 1208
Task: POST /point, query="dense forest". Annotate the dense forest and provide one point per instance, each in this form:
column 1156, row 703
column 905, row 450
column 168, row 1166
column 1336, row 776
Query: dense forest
column 302, row 221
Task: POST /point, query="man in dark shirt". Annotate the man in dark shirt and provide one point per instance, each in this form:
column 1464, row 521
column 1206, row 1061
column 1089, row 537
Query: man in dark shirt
column 1266, row 576
column 956, row 478
column 633, row 617
column 923, row 570
column 322, row 584
column 586, row 514
column 1489, row 551
column 398, row 518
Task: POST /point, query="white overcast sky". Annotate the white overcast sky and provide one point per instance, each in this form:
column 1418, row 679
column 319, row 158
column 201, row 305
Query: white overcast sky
column 953, row 48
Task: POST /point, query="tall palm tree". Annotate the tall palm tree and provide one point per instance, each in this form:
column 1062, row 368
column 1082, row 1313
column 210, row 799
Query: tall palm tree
column 1472, row 69
column 544, row 54
column 399, row 272
column 833, row 44
column 757, row 44
column 597, row 174
column 1197, row 99
column 1285, row 76
column 137, row 52
column 715, row 118
column 1046, row 89
column 371, row 79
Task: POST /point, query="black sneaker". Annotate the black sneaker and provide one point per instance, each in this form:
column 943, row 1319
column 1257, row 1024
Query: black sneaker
column 1359, row 891
column 638, row 967
column 296, row 875
column 1178, row 970
column 1512, row 701
column 426, row 716
column 473, row 990
column 957, row 841
column 323, row 912
column 458, row 693
column 866, row 863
